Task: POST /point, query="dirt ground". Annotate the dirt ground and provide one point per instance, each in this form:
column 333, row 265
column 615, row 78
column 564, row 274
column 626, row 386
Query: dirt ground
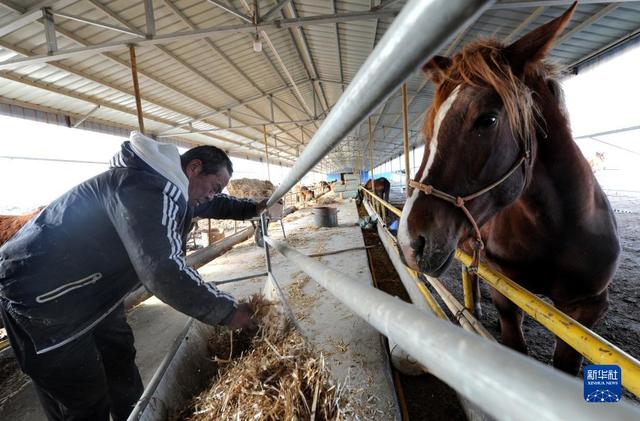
column 621, row 324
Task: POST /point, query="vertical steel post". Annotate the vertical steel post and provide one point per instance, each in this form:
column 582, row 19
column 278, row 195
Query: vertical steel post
column 136, row 87
column 265, row 225
column 150, row 19
column 266, row 151
column 467, row 289
column 371, row 153
column 49, row 30
column 271, row 109
column 405, row 138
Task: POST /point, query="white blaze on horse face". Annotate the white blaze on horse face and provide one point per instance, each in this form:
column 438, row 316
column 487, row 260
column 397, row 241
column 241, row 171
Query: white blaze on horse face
column 404, row 238
column 433, row 144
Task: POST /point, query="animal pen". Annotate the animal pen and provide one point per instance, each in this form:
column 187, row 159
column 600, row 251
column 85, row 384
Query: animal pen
column 491, row 381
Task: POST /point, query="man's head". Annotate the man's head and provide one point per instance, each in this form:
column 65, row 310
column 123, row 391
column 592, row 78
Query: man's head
column 208, row 169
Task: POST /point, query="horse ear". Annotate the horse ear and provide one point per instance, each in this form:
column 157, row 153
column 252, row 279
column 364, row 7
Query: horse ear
column 436, row 68
column 535, row 45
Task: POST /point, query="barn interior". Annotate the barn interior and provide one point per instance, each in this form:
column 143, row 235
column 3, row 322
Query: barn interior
column 334, row 88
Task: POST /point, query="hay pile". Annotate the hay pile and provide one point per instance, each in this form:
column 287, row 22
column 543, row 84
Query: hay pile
column 275, row 377
column 250, row 188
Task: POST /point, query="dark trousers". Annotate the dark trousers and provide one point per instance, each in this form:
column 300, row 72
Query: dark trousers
column 87, row 379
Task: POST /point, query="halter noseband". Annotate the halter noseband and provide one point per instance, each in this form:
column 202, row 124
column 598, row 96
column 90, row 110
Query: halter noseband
column 460, row 202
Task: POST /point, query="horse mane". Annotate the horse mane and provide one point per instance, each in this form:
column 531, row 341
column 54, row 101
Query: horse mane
column 483, row 63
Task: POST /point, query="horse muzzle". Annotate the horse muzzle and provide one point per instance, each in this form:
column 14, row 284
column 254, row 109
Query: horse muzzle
column 430, row 256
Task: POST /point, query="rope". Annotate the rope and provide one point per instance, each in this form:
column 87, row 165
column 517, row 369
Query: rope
column 460, row 202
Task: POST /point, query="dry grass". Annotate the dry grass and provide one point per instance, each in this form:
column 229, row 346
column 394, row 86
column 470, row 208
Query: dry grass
column 274, row 375
column 12, row 379
column 250, row 188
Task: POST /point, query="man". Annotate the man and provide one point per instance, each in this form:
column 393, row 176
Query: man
column 64, row 276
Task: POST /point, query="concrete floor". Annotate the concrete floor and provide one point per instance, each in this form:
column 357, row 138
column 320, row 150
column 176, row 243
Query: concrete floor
column 353, row 350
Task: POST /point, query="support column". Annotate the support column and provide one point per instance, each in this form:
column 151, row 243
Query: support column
column 136, row 87
column 266, row 151
column 49, row 30
column 371, row 153
column 405, row 138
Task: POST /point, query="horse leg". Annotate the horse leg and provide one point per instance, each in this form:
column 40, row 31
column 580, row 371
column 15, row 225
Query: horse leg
column 511, row 317
column 587, row 312
column 475, row 288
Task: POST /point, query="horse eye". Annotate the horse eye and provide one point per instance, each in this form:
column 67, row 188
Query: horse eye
column 486, row 121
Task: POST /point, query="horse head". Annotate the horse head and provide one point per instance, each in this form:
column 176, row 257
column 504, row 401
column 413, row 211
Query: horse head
column 481, row 135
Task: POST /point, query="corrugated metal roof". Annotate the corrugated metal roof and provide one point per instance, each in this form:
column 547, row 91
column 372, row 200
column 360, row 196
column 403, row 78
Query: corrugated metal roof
column 194, row 85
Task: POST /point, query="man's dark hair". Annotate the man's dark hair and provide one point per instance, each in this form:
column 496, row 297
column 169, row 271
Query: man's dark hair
column 213, row 159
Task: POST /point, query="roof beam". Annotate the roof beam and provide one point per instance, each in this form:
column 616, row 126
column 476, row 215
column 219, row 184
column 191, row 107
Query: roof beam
column 149, row 18
column 99, row 24
column 104, row 9
column 619, row 41
column 188, row 35
column 231, row 10
column 507, row 40
column 222, row 55
column 275, row 9
column 86, row 116
column 237, row 127
column 49, row 30
column 32, row 14
column 12, row 6
column 74, row 38
column 298, row 36
column 587, row 22
column 339, row 49
column 9, row 75
column 515, row 4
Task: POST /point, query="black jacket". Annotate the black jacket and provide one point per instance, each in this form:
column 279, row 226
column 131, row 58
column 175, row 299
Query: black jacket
column 71, row 265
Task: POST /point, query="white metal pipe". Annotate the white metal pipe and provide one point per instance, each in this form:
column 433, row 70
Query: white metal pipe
column 419, row 31
column 502, row 382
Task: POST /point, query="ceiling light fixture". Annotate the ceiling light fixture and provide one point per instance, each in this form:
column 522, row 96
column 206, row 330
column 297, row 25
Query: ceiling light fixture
column 257, row 43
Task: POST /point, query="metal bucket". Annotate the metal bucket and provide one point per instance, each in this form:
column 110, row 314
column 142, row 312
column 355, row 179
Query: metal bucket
column 325, row 216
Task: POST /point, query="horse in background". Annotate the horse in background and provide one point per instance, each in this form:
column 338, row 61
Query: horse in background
column 324, row 187
column 10, row 224
column 306, row 193
column 502, row 176
column 382, row 187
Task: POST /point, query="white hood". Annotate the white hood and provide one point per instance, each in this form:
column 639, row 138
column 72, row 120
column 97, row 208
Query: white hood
column 162, row 157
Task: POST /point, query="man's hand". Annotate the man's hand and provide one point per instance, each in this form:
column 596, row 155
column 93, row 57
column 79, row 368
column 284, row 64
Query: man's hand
column 261, row 206
column 242, row 318
column 275, row 211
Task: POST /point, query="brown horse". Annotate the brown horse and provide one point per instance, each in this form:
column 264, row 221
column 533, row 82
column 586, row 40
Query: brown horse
column 324, row 186
column 499, row 156
column 382, row 187
column 307, row 194
column 10, row 224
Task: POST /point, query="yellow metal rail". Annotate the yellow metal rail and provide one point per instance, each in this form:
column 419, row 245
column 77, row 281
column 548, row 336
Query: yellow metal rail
column 381, row 202
column 594, row 347
column 591, row 345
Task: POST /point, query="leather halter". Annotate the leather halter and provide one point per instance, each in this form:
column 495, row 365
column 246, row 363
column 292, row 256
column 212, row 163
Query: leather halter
column 460, row 202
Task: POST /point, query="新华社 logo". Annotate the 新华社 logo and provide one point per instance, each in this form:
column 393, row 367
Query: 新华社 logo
column 602, row 383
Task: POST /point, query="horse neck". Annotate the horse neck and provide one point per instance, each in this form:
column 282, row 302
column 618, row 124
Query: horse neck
column 561, row 179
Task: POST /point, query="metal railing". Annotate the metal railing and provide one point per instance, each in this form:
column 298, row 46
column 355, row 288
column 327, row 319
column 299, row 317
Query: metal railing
column 505, row 384
column 420, row 30
column 502, row 382
column 415, row 286
column 588, row 343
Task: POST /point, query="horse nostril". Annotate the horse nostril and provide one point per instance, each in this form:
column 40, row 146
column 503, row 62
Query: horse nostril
column 418, row 245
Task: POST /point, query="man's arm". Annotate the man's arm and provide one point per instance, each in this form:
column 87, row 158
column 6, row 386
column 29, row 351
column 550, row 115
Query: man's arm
column 223, row 206
column 147, row 220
